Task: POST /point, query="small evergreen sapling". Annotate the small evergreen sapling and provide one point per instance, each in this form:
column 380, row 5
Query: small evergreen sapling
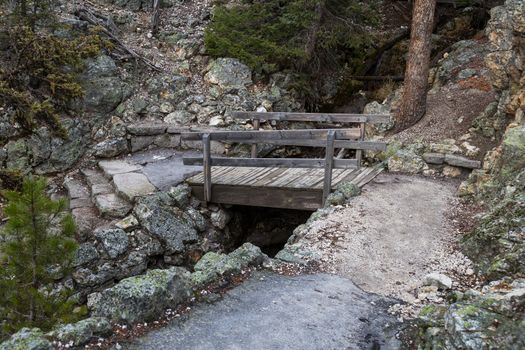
column 36, row 249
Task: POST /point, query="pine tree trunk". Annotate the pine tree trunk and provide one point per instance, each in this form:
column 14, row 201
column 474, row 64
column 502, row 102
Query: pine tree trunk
column 414, row 98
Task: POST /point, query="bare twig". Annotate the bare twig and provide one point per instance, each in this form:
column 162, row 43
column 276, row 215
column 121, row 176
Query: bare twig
column 90, row 17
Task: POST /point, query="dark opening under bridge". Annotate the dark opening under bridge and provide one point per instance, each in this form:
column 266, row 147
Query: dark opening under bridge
column 294, row 183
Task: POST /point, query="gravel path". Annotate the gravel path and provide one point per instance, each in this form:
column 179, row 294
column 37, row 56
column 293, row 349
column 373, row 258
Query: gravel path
column 391, row 236
column 271, row 311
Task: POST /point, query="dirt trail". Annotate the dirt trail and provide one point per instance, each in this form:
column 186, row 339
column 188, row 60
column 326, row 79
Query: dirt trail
column 392, row 235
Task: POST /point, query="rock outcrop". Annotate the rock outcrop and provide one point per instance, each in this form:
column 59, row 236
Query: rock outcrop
column 493, row 317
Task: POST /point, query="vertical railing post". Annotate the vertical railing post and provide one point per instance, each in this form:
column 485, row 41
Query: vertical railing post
column 207, row 167
column 359, row 153
column 256, row 124
column 329, row 164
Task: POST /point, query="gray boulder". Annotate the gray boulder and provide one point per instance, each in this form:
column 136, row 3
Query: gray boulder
column 142, row 298
column 103, row 88
column 158, row 215
column 27, row 339
column 111, row 205
column 82, row 332
column 438, row 280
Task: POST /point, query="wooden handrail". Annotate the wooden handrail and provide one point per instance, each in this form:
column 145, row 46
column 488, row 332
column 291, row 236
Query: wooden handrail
column 206, row 150
column 314, row 117
column 272, row 162
column 268, row 135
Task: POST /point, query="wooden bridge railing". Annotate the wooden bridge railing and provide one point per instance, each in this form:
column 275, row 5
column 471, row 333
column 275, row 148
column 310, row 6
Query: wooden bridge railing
column 330, row 139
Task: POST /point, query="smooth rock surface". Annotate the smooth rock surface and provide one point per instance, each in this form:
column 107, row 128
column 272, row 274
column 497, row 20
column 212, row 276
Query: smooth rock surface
column 111, row 205
column 113, row 167
column 279, row 312
column 132, row 185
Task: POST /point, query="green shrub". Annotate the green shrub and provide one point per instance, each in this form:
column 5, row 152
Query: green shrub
column 36, row 248
column 40, row 74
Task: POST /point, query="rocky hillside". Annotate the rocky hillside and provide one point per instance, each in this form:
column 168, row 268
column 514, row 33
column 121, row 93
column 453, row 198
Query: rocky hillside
column 493, row 317
column 145, row 244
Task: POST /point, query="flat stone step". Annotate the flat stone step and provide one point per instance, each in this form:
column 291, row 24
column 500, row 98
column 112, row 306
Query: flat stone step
column 80, row 203
column 86, row 220
column 76, row 189
column 114, row 167
column 112, row 206
column 132, row 185
column 94, row 177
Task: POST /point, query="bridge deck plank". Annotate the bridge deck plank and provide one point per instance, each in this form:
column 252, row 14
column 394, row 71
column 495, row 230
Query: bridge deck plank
column 296, row 178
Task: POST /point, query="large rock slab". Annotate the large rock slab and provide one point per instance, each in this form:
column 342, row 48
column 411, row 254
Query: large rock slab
column 76, row 189
column 113, row 167
column 112, row 206
column 142, row 298
column 462, row 162
column 132, row 185
column 270, row 311
column 172, row 226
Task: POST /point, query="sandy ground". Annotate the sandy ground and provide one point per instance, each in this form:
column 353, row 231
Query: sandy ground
column 392, row 235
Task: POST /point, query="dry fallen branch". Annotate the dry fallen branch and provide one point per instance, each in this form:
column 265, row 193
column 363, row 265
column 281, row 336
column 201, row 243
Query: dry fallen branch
column 107, row 25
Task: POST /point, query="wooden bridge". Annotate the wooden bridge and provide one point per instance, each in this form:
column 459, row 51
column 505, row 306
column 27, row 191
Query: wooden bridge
column 295, row 183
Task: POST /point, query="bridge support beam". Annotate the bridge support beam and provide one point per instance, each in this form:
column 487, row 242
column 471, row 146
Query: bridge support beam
column 329, row 165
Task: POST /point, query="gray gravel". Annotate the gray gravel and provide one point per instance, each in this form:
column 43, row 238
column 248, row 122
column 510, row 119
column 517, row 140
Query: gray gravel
column 271, row 311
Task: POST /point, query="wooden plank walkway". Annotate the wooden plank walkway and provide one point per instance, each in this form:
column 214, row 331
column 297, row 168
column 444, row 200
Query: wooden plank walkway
column 293, row 188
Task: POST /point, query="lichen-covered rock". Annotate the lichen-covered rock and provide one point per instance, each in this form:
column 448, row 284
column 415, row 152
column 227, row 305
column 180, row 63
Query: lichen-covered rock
column 220, row 218
column 335, row 198
column 181, row 195
column 375, row 107
column 142, row 298
column 103, row 88
column 406, row 161
column 212, row 265
column 349, row 189
column 27, row 339
column 456, row 67
column 81, row 332
column 114, row 241
column 228, row 73
column 85, row 254
column 490, row 319
column 159, row 215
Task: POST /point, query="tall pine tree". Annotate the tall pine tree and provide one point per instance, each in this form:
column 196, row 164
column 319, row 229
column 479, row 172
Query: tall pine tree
column 36, row 249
